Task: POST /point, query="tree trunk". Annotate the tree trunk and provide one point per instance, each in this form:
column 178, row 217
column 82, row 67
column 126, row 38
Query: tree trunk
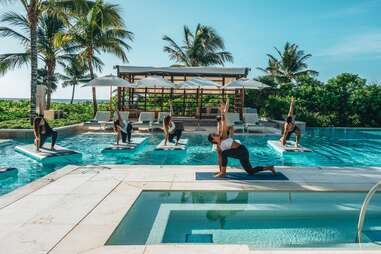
column 32, row 17
column 49, row 81
column 72, row 94
column 95, row 105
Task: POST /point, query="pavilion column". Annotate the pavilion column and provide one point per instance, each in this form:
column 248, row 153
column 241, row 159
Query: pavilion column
column 119, row 94
column 162, row 98
column 145, row 99
column 242, row 103
column 200, row 114
column 197, row 103
column 184, row 95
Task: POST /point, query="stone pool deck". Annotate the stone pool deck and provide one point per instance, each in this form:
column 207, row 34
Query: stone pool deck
column 75, row 209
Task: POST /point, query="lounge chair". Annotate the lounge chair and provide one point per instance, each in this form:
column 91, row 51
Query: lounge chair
column 234, row 121
column 146, row 119
column 123, row 114
column 252, row 124
column 102, row 117
column 160, row 119
column 101, row 121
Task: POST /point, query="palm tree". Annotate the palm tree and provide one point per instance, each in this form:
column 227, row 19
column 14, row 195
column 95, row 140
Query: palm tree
column 290, row 65
column 42, row 79
column 99, row 29
column 33, row 11
column 47, row 28
column 75, row 73
column 204, row 47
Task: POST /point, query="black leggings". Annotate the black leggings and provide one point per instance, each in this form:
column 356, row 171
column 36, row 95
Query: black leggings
column 127, row 136
column 48, row 133
column 288, row 135
column 242, row 154
column 177, row 133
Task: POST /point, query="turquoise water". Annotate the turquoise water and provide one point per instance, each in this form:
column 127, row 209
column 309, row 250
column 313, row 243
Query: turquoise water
column 332, row 147
column 260, row 219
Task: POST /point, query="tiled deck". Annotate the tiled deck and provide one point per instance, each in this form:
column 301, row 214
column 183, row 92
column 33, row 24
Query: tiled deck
column 75, row 209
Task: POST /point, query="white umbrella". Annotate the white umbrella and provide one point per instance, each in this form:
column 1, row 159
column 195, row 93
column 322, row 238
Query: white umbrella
column 245, row 83
column 109, row 81
column 199, row 83
column 154, row 82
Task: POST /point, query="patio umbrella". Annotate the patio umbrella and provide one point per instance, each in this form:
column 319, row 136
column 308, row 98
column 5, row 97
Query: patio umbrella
column 245, row 83
column 109, row 81
column 199, row 83
column 154, row 82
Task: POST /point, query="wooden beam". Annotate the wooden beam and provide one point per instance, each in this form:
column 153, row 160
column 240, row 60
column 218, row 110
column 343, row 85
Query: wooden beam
column 201, row 104
column 184, row 95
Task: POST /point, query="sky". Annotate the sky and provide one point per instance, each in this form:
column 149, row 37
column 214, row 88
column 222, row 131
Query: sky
column 341, row 35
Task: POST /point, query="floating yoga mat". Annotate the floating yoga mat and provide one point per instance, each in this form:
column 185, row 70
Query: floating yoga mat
column 172, row 146
column 4, row 142
column 288, row 148
column 8, row 172
column 135, row 142
column 45, row 154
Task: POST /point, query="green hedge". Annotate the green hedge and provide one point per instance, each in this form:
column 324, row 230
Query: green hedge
column 15, row 114
column 344, row 101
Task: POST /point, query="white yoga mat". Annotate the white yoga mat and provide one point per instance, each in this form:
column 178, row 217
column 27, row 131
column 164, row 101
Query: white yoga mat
column 288, row 148
column 172, row 146
column 45, row 153
column 135, row 142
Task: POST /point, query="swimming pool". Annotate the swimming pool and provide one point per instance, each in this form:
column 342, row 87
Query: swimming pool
column 331, row 146
column 260, row 219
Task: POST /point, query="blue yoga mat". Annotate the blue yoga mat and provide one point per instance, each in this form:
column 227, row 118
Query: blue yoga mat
column 262, row 176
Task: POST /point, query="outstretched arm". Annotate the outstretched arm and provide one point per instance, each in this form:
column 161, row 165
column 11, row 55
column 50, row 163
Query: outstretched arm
column 292, row 107
column 170, row 108
column 224, row 122
column 118, row 113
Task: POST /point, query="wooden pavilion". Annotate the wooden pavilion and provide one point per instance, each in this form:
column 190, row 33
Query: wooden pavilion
column 189, row 102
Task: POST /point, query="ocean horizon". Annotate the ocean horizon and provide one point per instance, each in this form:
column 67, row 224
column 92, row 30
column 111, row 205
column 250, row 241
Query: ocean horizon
column 58, row 100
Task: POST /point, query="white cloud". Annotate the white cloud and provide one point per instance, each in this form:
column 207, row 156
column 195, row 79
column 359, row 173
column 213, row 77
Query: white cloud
column 367, row 44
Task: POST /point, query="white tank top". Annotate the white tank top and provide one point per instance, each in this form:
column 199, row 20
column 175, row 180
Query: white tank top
column 124, row 129
column 226, row 144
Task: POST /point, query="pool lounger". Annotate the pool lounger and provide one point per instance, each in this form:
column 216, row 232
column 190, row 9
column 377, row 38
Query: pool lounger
column 135, row 142
column 8, row 172
column 4, row 142
column 288, row 148
column 172, row 146
column 45, row 153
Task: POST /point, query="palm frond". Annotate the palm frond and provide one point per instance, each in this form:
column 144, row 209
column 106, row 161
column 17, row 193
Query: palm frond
column 13, row 61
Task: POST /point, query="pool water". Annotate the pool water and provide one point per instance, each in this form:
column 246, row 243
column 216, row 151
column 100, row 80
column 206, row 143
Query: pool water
column 331, row 147
column 259, row 219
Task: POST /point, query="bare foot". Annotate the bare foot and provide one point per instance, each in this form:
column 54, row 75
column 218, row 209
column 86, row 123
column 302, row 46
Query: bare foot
column 220, row 175
column 52, row 149
column 271, row 168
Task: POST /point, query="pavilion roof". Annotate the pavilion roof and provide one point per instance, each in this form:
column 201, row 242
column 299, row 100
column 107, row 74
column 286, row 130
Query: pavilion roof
column 184, row 71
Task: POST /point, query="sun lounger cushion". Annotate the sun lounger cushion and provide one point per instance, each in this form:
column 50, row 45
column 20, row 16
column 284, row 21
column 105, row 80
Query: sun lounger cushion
column 102, row 116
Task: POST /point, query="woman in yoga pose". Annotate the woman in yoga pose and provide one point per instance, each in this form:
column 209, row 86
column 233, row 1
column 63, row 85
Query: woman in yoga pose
column 171, row 130
column 42, row 130
column 230, row 148
column 289, row 126
column 123, row 129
